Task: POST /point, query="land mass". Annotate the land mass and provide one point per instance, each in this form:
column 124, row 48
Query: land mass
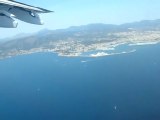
column 76, row 40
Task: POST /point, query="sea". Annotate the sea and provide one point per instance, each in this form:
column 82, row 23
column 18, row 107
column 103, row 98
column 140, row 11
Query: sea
column 45, row 86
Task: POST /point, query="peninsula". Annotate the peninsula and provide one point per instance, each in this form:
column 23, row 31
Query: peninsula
column 76, row 40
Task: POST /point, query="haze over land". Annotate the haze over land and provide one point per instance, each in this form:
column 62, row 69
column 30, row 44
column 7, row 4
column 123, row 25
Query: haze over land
column 80, row 39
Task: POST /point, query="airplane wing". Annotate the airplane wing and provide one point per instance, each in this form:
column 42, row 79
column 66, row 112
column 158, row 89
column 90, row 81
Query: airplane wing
column 10, row 9
column 13, row 3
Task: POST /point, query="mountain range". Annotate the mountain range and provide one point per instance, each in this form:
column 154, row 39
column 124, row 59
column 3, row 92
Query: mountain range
column 84, row 35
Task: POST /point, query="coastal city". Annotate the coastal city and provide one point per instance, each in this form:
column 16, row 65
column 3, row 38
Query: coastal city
column 73, row 47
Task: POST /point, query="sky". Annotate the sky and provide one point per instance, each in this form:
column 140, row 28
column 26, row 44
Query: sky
column 81, row 12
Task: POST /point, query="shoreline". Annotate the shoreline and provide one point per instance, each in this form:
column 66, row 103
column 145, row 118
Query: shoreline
column 94, row 53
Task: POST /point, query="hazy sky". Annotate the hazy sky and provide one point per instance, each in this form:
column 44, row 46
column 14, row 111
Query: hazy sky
column 80, row 12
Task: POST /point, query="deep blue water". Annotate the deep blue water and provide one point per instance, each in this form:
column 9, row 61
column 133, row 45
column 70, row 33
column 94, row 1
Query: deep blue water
column 44, row 86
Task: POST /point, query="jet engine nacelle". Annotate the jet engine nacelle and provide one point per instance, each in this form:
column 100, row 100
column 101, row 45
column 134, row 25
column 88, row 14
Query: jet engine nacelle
column 7, row 22
column 26, row 16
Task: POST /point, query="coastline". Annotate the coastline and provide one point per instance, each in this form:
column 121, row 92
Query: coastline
column 100, row 52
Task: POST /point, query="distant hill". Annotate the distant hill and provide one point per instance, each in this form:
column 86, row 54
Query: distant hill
column 85, row 34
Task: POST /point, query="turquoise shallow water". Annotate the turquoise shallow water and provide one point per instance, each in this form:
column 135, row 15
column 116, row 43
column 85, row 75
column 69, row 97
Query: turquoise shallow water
column 44, row 86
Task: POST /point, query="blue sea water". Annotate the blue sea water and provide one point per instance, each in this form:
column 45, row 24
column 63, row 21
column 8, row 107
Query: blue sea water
column 44, row 86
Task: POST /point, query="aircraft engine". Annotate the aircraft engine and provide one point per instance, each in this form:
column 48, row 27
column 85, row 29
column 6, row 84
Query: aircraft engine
column 26, row 16
column 7, row 21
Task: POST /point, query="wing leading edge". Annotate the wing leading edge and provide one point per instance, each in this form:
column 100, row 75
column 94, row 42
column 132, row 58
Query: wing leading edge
column 10, row 9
